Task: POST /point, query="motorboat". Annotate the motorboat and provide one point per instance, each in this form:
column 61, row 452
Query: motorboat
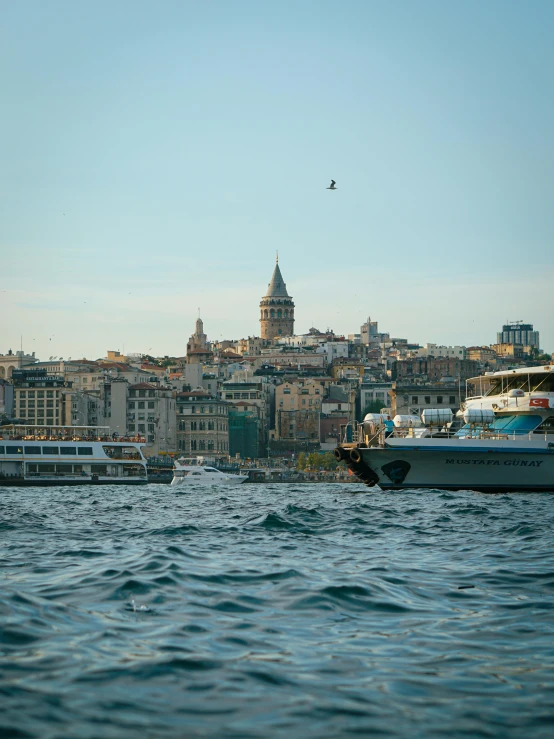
column 501, row 440
column 194, row 472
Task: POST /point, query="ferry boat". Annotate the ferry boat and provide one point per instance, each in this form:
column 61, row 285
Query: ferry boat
column 506, row 443
column 194, row 472
column 69, row 455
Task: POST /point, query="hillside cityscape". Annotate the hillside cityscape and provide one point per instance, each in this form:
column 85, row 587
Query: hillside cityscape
column 276, row 395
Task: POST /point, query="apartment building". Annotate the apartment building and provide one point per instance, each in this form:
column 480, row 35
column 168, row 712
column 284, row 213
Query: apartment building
column 202, row 424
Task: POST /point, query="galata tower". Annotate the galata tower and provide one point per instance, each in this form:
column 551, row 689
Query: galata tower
column 276, row 308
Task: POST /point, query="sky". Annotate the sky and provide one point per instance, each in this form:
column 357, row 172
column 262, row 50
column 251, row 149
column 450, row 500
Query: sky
column 154, row 157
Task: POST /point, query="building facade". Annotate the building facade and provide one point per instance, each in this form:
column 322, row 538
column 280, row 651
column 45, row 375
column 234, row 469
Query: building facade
column 518, row 333
column 202, row 424
column 39, row 398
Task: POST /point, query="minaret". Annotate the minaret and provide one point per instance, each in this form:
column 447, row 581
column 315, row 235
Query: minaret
column 276, row 308
column 198, row 354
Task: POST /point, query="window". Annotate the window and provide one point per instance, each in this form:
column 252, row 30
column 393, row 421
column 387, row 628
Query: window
column 68, row 451
column 140, row 404
column 210, row 444
column 201, row 444
column 439, row 399
column 32, row 450
column 49, row 403
column 202, row 409
column 193, row 425
column 211, row 409
column 84, row 451
column 415, row 399
column 22, row 393
column 99, row 469
column 428, row 400
column 211, row 426
column 51, row 450
column 193, row 444
column 142, row 393
column 151, row 405
column 452, row 400
column 131, row 427
column 49, row 393
column 40, row 393
column 14, row 450
column 31, row 394
column 141, row 428
column 151, row 427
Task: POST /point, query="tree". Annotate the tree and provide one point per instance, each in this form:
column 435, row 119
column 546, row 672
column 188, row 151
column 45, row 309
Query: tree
column 374, row 407
column 301, row 461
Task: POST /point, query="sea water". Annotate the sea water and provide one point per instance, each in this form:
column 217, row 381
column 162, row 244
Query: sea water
column 275, row 610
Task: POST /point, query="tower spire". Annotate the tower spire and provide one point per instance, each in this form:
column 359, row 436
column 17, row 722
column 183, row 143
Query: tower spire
column 276, row 307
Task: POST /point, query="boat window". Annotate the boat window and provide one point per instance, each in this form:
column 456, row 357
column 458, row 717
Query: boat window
column 50, row 449
column 537, row 381
column 2, row 449
column 32, row 450
column 68, row 450
column 14, row 450
column 195, row 473
column 546, row 427
column 210, row 469
column 521, row 424
column 543, row 382
column 84, row 450
column 99, row 469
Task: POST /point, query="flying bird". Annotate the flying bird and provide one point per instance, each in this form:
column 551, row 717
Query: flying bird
column 332, row 185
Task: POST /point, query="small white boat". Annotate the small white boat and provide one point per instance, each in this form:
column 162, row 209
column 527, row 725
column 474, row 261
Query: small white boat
column 193, row 472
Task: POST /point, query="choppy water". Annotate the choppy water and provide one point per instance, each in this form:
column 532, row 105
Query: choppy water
column 275, row 610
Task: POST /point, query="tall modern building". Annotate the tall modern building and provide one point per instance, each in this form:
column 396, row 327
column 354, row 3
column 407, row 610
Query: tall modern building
column 518, row 333
column 276, row 308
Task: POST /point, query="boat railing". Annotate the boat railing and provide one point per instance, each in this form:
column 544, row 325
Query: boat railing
column 41, row 437
column 358, row 435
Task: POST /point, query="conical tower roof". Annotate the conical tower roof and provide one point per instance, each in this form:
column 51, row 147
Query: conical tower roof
column 277, row 287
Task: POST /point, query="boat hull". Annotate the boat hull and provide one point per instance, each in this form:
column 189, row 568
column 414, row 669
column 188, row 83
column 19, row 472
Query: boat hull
column 51, row 482
column 206, row 482
column 451, row 469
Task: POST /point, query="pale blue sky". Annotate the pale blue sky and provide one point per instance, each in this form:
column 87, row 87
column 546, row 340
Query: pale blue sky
column 155, row 155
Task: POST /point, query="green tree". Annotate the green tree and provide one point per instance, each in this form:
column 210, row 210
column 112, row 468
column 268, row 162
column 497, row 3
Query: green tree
column 301, row 461
column 374, row 407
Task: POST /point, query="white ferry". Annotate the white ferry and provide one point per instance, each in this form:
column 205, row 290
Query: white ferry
column 69, row 455
column 506, row 443
column 188, row 472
